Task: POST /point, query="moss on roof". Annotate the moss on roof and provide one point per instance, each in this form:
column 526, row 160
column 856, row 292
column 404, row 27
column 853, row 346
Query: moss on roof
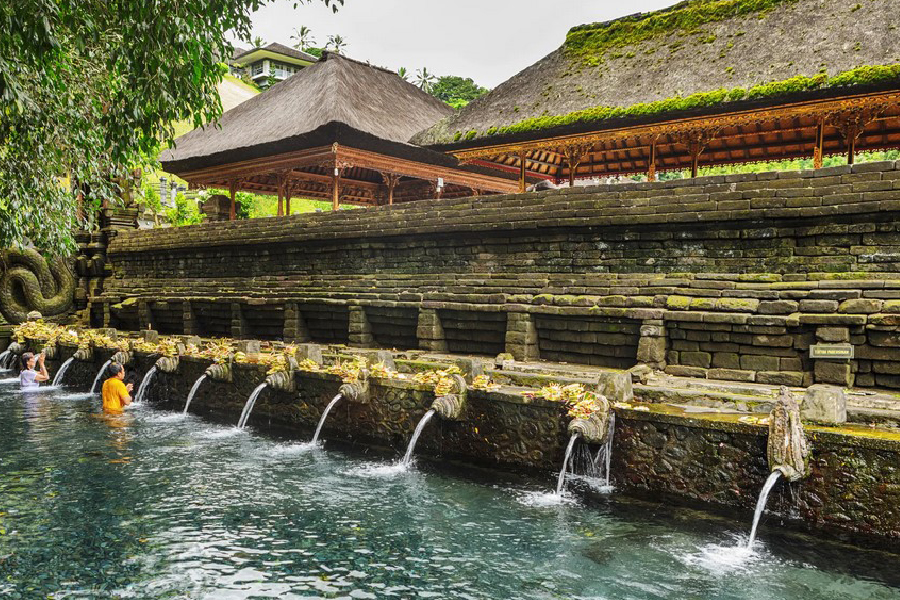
column 591, row 42
column 860, row 76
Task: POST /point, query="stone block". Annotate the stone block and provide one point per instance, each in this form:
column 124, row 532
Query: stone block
column 311, row 352
column 885, row 338
column 789, row 378
column 818, row 306
column 726, row 360
column 833, row 334
column 732, row 375
column 682, row 371
column 834, row 372
column 824, row 404
column 651, row 350
column 696, row 359
column 737, row 304
column 150, row 336
column 861, row 306
column 778, row 307
column 617, row 387
column 759, row 363
column 248, row 347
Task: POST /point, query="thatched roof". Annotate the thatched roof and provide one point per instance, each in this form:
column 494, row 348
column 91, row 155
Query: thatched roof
column 276, row 48
column 691, row 47
column 335, row 100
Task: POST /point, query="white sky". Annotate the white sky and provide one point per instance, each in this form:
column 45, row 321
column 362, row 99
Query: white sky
column 487, row 40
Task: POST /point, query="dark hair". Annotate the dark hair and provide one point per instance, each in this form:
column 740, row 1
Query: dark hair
column 115, row 369
column 23, row 360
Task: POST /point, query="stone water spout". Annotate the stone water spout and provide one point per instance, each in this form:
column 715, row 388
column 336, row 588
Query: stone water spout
column 788, row 450
column 221, row 372
column 168, row 364
column 284, row 380
column 594, row 429
column 450, row 407
column 85, row 353
column 123, row 357
column 357, row 391
column 50, row 351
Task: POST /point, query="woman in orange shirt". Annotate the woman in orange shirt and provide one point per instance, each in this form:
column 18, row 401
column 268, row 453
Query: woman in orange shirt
column 116, row 394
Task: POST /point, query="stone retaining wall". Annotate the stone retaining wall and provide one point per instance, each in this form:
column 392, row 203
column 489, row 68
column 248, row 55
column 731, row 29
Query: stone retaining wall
column 730, row 277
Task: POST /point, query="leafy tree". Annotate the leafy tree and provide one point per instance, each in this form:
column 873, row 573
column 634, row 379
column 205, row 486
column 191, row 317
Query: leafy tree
column 457, row 91
column 304, row 38
column 90, row 90
column 425, row 80
column 336, row 44
column 185, row 212
column 151, row 200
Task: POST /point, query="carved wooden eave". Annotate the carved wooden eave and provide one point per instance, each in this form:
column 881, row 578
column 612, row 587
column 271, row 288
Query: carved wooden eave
column 810, row 129
column 361, row 176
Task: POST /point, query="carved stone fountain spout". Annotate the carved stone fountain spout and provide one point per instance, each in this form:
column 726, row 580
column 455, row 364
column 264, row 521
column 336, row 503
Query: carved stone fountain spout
column 221, row 372
column 85, row 353
column 168, row 364
column 357, row 391
column 451, row 407
column 594, row 428
column 123, row 357
column 284, row 381
column 787, row 448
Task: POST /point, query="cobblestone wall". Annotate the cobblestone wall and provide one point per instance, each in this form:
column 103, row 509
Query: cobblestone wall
column 731, row 277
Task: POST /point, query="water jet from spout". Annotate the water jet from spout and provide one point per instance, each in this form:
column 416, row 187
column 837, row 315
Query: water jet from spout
column 328, row 408
column 193, row 391
column 407, row 458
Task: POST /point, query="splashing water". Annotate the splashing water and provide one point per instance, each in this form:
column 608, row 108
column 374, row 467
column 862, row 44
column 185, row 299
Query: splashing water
column 407, row 458
column 251, row 402
column 4, row 360
column 561, row 481
column 328, row 408
column 145, row 383
column 193, row 391
column 62, row 371
column 761, row 505
column 99, row 375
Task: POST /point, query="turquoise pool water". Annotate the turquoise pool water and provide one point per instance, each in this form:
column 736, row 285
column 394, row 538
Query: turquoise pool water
column 157, row 505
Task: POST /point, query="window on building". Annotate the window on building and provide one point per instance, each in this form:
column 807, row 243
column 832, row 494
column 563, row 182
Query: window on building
column 257, row 69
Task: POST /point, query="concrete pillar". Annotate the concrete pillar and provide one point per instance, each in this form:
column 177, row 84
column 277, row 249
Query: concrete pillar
column 360, row 328
column 521, row 336
column 430, row 331
column 653, row 344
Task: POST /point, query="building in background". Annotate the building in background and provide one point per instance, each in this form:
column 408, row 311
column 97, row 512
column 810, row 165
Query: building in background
column 269, row 64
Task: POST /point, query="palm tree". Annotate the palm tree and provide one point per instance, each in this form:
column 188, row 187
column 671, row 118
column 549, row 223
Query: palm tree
column 336, row 43
column 425, row 80
column 304, row 37
column 403, row 73
column 258, row 42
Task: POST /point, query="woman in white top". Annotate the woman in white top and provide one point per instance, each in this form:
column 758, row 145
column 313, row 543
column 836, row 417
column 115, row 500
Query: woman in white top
column 30, row 378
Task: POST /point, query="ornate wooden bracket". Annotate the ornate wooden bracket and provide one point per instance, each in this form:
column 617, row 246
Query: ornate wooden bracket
column 851, row 124
column 573, row 155
column 390, row 180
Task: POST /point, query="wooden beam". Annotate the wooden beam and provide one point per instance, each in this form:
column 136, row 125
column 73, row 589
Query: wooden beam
column 651, row 168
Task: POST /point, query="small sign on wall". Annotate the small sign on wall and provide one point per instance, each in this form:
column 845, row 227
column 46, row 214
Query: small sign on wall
column 832, row 351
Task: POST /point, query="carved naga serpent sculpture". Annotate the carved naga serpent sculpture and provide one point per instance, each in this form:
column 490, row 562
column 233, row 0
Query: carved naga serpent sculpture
column 29, row 283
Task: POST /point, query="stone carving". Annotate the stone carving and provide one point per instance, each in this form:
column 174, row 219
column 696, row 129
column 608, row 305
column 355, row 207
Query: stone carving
column 594, row 428
column 122, row 357
column 787, row 447
column 450, row 407
column 85, row 353
column 357, row 391
column 31, row 283
column 168, row 364
column 220, row 372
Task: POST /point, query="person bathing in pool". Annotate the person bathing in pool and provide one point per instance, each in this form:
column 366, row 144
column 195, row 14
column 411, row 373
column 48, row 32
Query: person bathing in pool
column 116, row 395
column 31, row 378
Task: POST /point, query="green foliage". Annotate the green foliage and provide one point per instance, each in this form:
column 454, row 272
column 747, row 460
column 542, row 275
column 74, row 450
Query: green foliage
column 151, row 200
column 457, row 91
column 251, row 206
column 591, row 42
column 185, row 212
column 859, row 76
column 313, row 51
column 92, row 90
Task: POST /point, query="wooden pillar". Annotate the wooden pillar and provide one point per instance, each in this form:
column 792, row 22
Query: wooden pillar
column 280, row 199
column 522, row 172
column 852, row 135
column 287, row 200
column 819, row 152
column 232, row 188
column 336, row 189
column 651, row 169
column 695, row 158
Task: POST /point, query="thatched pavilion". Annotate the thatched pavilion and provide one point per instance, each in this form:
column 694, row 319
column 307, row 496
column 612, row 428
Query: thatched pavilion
column 700, row 83
column 337, row 130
